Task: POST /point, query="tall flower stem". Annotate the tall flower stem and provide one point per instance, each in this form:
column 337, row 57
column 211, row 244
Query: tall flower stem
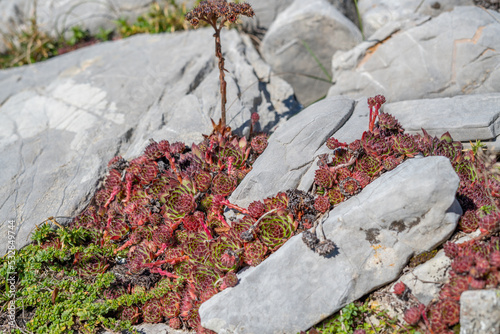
column 210, row 12
column 218, row 53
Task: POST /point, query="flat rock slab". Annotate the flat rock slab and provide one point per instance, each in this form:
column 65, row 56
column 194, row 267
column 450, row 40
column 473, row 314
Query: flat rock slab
column 466, row 117
column 307, row 27
column 62, row 120
column 290, row 150
column 406, row 211
column 480, row 312
column 455, row 53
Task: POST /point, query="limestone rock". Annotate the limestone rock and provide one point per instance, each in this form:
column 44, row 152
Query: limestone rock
column 466, row 117
column 290, row 150
column 266, row 12
column 406, row 211
column 301, row 33
column 480, row 312
column 452, row 54
column 376, row 13
column 62, row 120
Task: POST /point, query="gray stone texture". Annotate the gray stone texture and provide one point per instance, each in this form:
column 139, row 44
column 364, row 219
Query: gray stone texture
column 406, row 211
column 62, row 120
column 266, row 12
column 455, row 53
column 376, row 13
column 480, row 312
column 291, row 149
column 316, row 25
column 465, row 117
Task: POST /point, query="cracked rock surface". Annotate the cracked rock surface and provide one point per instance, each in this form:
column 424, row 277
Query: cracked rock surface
column 62, row 120
column 455, row 53
column 404, row 212
column 290, row 150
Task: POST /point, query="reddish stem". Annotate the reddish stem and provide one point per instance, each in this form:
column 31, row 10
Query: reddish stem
column 235, row 207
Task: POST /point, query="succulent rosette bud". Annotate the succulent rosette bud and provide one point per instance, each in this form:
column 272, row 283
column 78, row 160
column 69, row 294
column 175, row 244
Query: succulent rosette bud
column 469, row 222
column 462, row 264
column 259, row 143
column 130, row 313
column 489, row 222
column 256, row 209
column 171, row 304
column 224, row 184
column 387, row 122
column 399, row 288
column 280, row 201
column 178, row 202
column 175, row 323
column 152, row 311
column 451, row 249
column 413, row 314
column 254, row 253
column 362, row 178
column 335, row 195
column 324, row 177
column 219, row 248
column 233, row 153
column 391, row 162
column 405, row 144
column 495, row 259
column 229, row 280
column 342, row 173
column 376, row 144
column 450, row 311
column 153, row 151
column 276, row 228
column 369, row 165
column 140, row 255
column 322, row 204
column 90, row 265
column 202, row 179
column 196, row 246
column 349, row 186
column 116, row 229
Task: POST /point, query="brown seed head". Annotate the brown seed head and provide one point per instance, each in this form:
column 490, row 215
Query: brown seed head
column 212, row 10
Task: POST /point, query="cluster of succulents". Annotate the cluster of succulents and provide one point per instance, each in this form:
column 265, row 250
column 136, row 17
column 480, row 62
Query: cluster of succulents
column 165, row 210
column 163, row 214
column 351, row 167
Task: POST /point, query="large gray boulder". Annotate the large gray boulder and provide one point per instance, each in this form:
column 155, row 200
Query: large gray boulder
column 62, row 120
column 404, row 212
column 377, row 13
column 452, row 54
column 266, row 12
column 301, row 41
